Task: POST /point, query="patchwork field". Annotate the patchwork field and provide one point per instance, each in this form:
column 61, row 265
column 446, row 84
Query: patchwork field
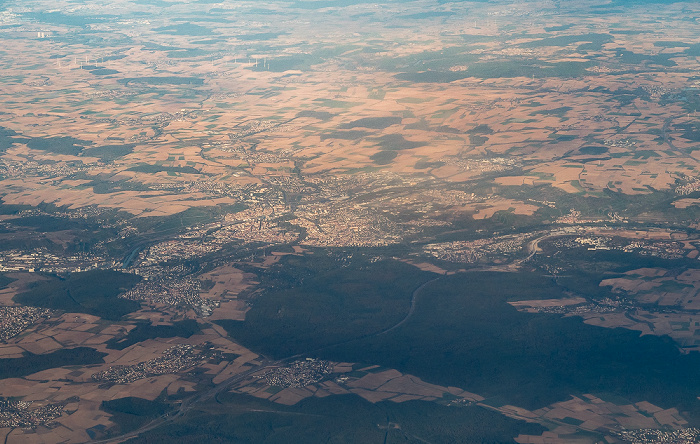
column 350, row 213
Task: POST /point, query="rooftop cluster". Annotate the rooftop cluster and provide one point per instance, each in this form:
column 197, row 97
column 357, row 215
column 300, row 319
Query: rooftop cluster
column 15, row 413
column 174, row 359
column 298, row 373
column 654, row 436
column 14, row 320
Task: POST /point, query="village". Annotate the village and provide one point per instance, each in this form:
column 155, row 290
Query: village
column 174, row 360
column 221, row 170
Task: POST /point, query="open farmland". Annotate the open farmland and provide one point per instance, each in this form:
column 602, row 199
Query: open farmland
column 349, row 213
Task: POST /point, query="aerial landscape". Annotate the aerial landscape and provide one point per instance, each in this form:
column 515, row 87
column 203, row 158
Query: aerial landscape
column 350, row 221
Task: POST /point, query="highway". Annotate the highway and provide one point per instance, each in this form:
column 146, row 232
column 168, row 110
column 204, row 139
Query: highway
column 188, row 403
column 411, row 310
column 211, row 393
column 534, row 245
column 203, row 396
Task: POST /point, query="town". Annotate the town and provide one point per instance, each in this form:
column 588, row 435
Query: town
column 16, row 319
column 15, row 413
column 655, row 436
column 174, row 360
column 298, row 373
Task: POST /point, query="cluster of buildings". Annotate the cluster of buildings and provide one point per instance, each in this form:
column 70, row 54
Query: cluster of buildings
column 298, row 373
column 253, row 225
column 225, row 95
column 216, row 188
column 15, row 319
column 664, row 250
column 7, row 17
column 688, row 188
column 573, row 217
column 257, row 126
column 657, row 248
column 331, row 219
column 90, row 212
column 9, row 168
column 42, row 81
column 174, row 250
column 655, row 436
column 620, row 143
column 41, row 259
column 178, row 292
column 447, row 197
column 147, row 120
column 15, row 413
column 292, row 184
column 341, row 226
column 496, row 164
column 515, row 51
column 594, row 242
column 261, row 230
column 656, row 91
column 255, row 213
column 256, row 224
column 548, row 203
column 111, row 94
column 164, row 272
column 605, row 305
column 174, row 360
column 477, row 250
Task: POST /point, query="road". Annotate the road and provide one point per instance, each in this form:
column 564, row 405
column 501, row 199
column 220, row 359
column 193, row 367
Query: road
column 191, row 402
column 534, row 245
column 411, row 310
column 532, row 248
column 669, row 140
column 211, row 393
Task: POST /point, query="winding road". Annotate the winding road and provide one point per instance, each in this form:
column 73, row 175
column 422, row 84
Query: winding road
column 188, row 404
column 534, row 245
column 205, row 395
column 411, row 310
